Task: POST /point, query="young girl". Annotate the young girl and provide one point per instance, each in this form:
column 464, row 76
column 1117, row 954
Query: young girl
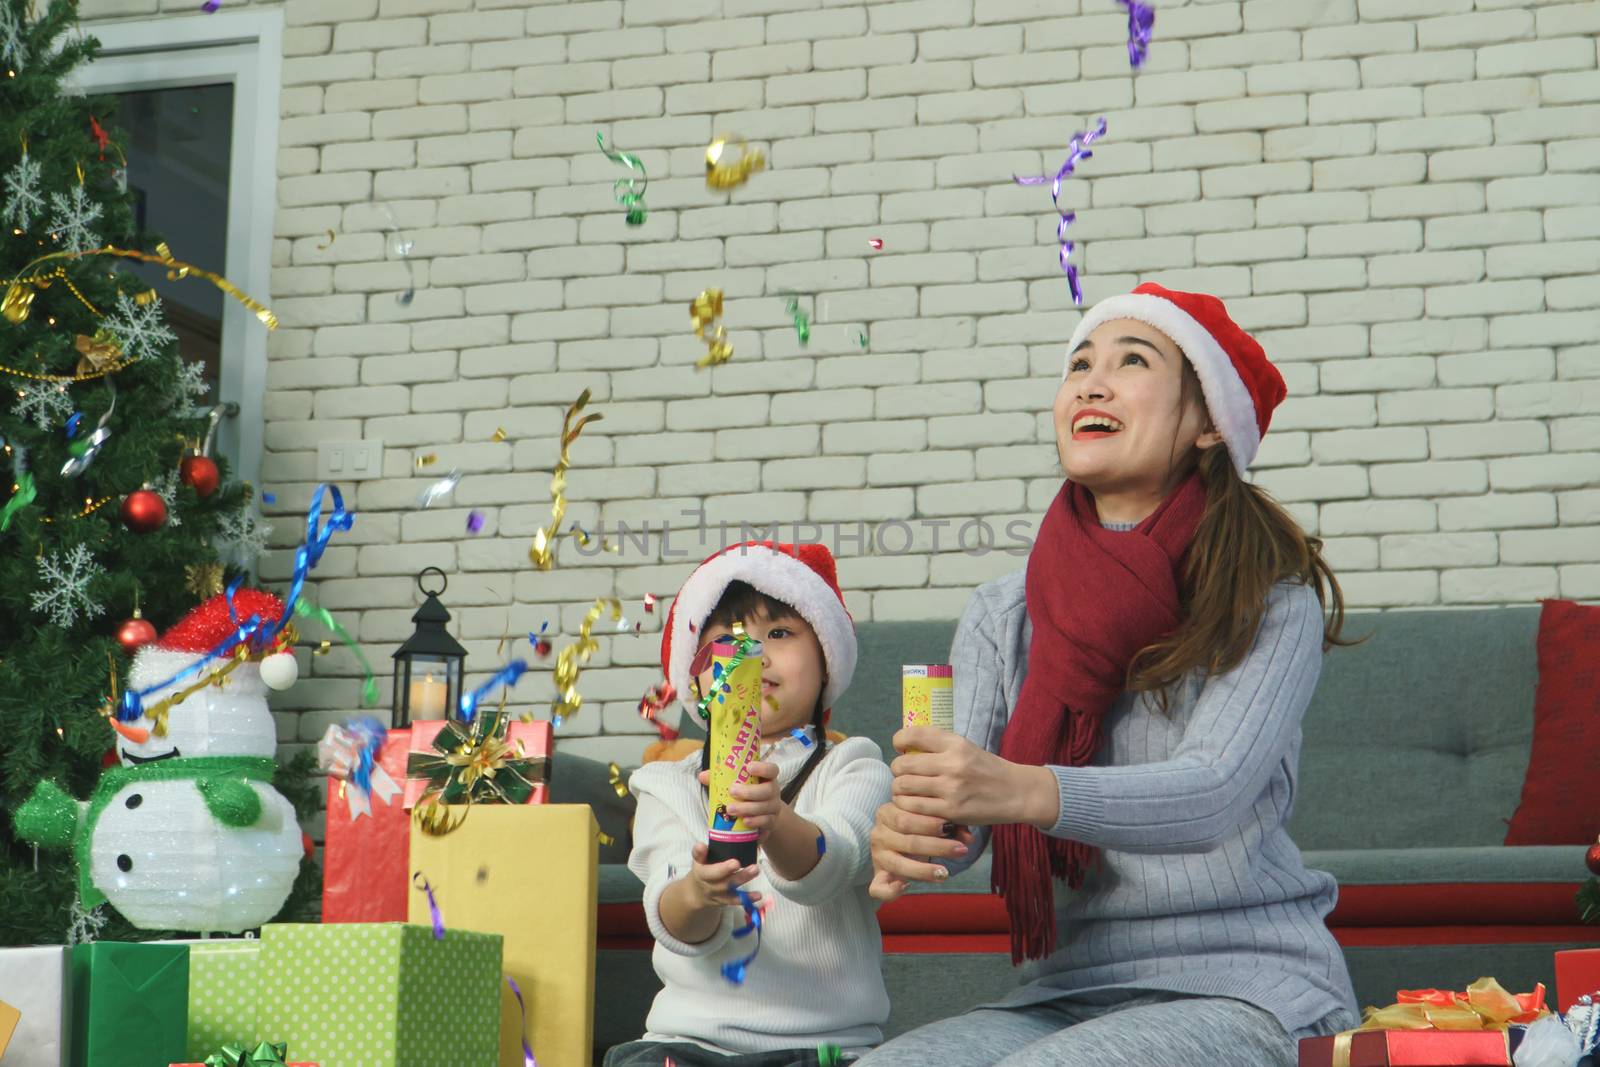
column 817, row 980
column 1128, row 720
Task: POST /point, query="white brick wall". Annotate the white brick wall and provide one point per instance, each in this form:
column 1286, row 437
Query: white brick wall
column 1399, row 196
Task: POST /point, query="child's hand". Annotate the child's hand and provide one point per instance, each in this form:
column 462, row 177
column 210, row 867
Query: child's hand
column 758, row 801
column 714, row 883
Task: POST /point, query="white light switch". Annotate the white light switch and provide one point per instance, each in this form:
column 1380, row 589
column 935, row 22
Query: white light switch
column 349, row 461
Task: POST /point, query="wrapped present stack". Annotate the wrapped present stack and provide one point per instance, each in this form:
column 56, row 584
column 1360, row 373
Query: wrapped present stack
column 463, row 805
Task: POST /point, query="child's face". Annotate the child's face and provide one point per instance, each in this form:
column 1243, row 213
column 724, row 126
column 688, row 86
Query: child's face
column 792, row 673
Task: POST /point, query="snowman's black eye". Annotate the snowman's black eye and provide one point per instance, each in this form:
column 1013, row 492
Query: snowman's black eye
column 134, row 801
column 124, row 862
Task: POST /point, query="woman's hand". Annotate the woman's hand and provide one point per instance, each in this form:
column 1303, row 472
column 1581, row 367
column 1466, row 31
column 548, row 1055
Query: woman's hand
column 946, row 778
column 902, row 844
column 757, row 801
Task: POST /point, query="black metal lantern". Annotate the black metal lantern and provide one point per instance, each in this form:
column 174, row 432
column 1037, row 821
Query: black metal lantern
column 428, row 666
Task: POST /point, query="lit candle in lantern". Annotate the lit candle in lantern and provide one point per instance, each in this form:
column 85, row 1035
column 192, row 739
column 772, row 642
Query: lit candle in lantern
column 427, row 698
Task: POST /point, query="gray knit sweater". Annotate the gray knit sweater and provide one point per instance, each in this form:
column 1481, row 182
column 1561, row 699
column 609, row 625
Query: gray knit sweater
column 1199, row 889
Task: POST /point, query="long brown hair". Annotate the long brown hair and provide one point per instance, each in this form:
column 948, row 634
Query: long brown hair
column 743, row 601
column 1245, row 544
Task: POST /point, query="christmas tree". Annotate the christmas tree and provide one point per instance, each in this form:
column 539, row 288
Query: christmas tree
column 105, row 508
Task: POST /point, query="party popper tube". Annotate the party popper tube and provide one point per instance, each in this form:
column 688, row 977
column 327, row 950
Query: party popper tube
column 735, row 739
column 927, row 695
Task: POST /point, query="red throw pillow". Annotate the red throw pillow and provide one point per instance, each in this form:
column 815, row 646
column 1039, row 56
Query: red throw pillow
column 1561, row 793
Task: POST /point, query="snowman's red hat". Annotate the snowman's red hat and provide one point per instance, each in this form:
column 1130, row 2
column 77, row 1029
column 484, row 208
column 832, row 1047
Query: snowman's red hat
column 197, row 633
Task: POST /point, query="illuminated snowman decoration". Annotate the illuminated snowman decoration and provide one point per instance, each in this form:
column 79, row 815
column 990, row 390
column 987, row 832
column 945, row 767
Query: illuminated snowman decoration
column 188, row 832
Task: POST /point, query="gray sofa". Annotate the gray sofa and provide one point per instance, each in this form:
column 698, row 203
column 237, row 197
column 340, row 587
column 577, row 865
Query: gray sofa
column 1416, row 743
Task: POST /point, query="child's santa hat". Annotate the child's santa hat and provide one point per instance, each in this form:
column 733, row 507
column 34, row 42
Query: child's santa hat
column 189, row 639
column 802, row 576
column 1240, row 384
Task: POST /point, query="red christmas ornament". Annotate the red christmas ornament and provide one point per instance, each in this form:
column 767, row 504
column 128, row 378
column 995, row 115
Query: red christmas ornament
column 135, row 633
column 200, row 474
column 143, row 511
column 1592, row 858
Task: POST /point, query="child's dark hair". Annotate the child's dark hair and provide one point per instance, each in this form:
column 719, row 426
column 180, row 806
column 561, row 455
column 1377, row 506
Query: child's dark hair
column 743, row 601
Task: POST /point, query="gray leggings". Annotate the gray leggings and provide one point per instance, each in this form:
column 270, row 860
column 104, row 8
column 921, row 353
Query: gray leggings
column 1136, row 1031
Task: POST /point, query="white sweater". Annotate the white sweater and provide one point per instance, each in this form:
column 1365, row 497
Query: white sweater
column 818, row 978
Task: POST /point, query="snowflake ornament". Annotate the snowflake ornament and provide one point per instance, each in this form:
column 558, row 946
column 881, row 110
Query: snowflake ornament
column 13, row 50
column 189, row 388
column 166, row 487
column 86, row 924
column 47, row 403
column 65, row 578
column 75, row 213
column 242, row 536
column 141, row 329
column 24, row 202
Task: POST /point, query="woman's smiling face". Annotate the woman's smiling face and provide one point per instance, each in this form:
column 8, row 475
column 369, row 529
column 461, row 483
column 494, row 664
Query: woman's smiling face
column 1124, row 418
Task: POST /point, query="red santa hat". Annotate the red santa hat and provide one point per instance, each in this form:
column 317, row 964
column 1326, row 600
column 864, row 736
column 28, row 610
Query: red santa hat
column 200, row 631
column 802, row 576
column 1240, row 384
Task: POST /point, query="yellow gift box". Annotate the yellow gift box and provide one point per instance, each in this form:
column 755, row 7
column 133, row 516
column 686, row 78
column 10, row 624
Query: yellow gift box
column 529, row 873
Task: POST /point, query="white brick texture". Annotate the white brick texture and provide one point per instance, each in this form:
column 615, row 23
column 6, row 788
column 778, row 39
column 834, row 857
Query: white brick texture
column 1398, row 196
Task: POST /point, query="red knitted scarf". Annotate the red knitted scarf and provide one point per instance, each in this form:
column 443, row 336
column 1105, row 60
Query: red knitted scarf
column 1095, row 598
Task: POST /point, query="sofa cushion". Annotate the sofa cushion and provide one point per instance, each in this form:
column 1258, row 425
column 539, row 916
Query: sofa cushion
column 1560, row 794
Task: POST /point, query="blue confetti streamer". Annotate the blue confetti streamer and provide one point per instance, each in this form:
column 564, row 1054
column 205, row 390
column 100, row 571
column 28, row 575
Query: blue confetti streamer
column 736, row 971
column 506, row 676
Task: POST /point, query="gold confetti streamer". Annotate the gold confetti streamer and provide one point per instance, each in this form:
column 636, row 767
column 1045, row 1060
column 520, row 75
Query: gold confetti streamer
column 543, row 550
column 571, row 659
column 704, row 310
column 723, row 175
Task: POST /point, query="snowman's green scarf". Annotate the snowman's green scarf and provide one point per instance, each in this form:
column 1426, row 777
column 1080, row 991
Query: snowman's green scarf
column 221, row 780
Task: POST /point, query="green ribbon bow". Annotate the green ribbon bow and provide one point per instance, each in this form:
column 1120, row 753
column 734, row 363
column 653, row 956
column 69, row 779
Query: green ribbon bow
column 478, row 762
column 266, row 1054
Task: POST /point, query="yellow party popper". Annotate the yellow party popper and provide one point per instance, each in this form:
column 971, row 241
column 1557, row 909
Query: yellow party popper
column 927, row 695
column 735, row 740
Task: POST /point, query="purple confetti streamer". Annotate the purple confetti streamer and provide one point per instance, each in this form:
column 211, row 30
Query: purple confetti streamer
column 736, row 970
column 433, row 905
column 1077, row 150
column 1141, row 20
column 822, row 845
column 474, row 521
column 210, row 6
column 522, row 1031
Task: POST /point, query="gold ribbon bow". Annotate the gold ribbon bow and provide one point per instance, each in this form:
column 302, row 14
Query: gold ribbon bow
column 97, row 354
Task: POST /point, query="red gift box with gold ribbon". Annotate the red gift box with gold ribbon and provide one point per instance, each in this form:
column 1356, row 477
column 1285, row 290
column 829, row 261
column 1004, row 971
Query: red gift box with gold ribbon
column 1431, row 1028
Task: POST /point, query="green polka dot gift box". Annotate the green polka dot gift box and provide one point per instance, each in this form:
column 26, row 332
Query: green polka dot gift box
column 224, row 1000
column 381, row 994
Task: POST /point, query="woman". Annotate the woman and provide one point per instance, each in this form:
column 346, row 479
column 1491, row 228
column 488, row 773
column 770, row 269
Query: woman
column 1128, row 721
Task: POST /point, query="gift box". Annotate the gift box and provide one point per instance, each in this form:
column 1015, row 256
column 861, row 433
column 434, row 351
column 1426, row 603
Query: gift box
column 1407, row 1048
column 130, row 1003
column 35, row 982
column 380, row 994
column 530, row 874
column 365, row 877
column 1577, row 975
column 530, row 741
column 224, row 994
